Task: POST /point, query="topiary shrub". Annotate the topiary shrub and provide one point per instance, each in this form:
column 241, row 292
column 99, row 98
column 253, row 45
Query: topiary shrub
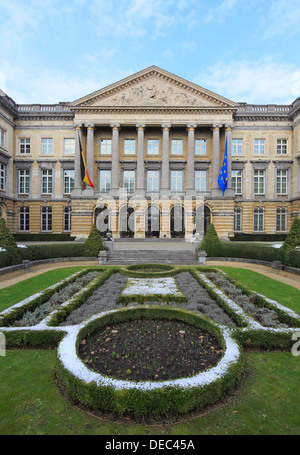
column 93, row 244
column 8, row 243
column 292, row 240
column 211, row 242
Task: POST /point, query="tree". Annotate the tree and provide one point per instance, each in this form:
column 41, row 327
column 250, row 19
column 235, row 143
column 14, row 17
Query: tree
column 290, row 243
column 8, row 243
column 211, row 242
column 93, row 244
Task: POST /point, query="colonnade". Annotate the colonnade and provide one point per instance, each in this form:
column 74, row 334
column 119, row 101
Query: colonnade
column 165, row 165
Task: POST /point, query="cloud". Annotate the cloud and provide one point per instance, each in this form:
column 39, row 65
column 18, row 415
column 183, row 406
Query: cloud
column 220, row 12
column 260, row 82
column 49, row 86
column 283, row 18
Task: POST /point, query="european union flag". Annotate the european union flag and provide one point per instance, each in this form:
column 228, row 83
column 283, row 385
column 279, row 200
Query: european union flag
column 223, row 176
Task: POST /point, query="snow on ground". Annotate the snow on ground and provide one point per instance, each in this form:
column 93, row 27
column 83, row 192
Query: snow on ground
column 151, row 286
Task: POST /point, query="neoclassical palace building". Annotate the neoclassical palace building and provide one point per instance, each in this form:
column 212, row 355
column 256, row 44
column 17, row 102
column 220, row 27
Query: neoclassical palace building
column 153, row 145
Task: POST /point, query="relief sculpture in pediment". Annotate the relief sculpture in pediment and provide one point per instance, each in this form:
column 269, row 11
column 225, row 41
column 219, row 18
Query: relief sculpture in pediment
column 152, row 94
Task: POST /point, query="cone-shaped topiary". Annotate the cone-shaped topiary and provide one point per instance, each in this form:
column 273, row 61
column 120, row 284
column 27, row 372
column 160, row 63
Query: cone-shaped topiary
column 211, row 242
column 292, row 240
column 8, row 243
column 93, row 244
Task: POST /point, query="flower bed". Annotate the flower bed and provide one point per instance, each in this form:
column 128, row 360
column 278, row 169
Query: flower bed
column 154, row 350
column 148, row 397
column 16, row 312
column 99, row 304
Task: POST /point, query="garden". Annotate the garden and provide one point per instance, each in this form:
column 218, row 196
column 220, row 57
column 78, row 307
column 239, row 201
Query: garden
column 137, row 349
column 150, row 349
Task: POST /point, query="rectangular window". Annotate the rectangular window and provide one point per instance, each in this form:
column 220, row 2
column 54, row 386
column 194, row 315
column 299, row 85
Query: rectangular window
column 47, row 146
column 24, row 146
column 105, row 181
column 259, row 146
column 23, row 218
column 46, row 181
column 105, row 146
column 2, row 138
column 281, row 182
column 281, row 146
column 24, row 181
column 176, row 181
column 176, row 147
column 153, row 181
column 237, row 219
column 68, row 181
column 129, row 146
column 237, row 146
column 236, row 181
column 200, row 147
column 258, row 219
column 129, row 181
column 153, row 147
column 280, row 219
column 69, row 146
column 200, row 181
column 259, row 182
column 67, row 219
column 46, row 219
column 2, row 176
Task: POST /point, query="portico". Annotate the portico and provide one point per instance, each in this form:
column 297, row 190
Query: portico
column 165, row 140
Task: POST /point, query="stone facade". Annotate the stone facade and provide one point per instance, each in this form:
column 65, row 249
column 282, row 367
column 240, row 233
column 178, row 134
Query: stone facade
column 154, row 145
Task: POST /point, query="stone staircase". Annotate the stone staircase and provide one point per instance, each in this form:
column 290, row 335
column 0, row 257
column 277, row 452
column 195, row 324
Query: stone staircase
column 176, row 257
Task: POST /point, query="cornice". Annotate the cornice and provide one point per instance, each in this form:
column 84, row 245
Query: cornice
column 154, row 109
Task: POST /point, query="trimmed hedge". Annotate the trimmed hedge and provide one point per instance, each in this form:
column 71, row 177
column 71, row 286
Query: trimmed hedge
column 43, row 237
column 211, row 242
column 8, row 243
column 291, row 242
column 295, row 258
column 240, row 237
column 94, row 243
column 164, row 400
column 247, row 251
column 50, row 251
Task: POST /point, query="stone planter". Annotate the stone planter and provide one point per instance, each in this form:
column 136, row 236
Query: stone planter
column 102, row 256
column 202, row 257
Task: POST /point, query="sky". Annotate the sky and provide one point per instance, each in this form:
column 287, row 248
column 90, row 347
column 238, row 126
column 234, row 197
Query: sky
column 56, row 50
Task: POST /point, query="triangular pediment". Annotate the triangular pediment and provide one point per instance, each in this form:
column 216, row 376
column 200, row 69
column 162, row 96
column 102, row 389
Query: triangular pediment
column 153, row 87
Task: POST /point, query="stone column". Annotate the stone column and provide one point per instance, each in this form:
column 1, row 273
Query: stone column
column 115, row 159
column 90, row 149
column 216, row 160
column 190, row 184
column 228, row 136
column 165, row 173
column 90, row 152
column 140, row 170
column 77, row 179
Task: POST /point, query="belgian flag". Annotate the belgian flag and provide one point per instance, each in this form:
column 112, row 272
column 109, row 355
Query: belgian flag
column 84, row 173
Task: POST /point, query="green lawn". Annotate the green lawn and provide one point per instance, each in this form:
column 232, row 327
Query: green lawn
column 267, row 402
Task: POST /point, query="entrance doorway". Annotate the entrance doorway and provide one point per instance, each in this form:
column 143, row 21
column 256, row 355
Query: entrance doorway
column 102, row 220
column 152, row 221
column 127, row 222
column 177, row 222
